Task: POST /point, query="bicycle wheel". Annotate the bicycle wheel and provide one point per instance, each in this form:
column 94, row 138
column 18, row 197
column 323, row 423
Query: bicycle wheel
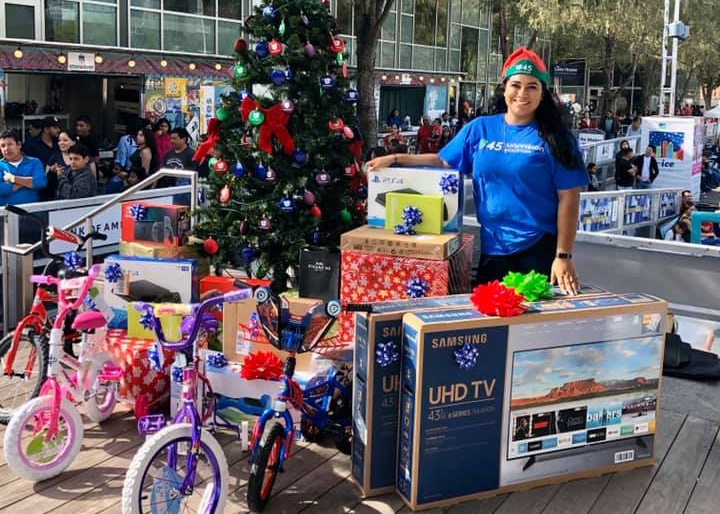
column 100, row 399
column 264, row 468
column 28, row 454
column 28, row 371
column 157, row 471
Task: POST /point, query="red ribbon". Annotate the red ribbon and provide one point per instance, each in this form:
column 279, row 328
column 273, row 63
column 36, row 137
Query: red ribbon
column 213, row 133
column 494, row 299
column 261, row 366
column 275, row 124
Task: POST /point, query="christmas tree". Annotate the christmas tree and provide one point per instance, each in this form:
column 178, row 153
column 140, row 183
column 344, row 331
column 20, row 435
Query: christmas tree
column 287, row 174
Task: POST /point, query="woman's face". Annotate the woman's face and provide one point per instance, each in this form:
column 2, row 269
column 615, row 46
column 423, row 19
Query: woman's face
column 140, row 138
column 624, row 145
column 164, row 128
column 64, row 142
column 522, row 96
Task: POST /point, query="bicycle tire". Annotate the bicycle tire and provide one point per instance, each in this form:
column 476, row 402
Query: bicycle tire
column 155, row 447
column 31, row 387
column 99, row 411
column 15, row 448
column 262, row 471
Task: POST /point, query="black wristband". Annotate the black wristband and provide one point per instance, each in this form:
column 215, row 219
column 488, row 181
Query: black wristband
column 563, row 255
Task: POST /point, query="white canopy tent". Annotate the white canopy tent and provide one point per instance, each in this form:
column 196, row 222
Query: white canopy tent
column 713, row 113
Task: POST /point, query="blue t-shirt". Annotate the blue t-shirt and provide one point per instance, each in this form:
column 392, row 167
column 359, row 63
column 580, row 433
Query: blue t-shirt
column 516, row 180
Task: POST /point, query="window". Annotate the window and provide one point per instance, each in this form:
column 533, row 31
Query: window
column 455, row 36
column 228, row 32
column 231, row 9
column 99, row 25
column 150, row 4
column 440, row 57
column 186, row 34
column 425, row 22
column 343, row 13
column 388, row 29
column 456, row 10
column 423, row 58
column 406, row 29
column 144, row 29
column 19, row 21
column 406, row 52
column 469, row 52
column 62, row 21
column 442, row 24
column 204, row 7
column 407, row 7
column 387, row 58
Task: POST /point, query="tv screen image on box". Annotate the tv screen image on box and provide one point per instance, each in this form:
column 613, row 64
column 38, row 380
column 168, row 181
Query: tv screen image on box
column 571, row 397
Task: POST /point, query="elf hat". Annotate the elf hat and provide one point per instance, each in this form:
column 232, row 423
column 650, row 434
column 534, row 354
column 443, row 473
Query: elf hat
column 525, row 62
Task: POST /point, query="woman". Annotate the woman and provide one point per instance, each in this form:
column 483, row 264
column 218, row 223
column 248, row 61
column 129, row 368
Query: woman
column 161, row 138
column 394, row 135
column 624, row 145
column 394, row 119
column 59, row 162
column 527, row 174
column 445, row 136
column 144, row 156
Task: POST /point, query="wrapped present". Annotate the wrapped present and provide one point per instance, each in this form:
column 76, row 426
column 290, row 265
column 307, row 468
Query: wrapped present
column 370, row 277
column 139, row 378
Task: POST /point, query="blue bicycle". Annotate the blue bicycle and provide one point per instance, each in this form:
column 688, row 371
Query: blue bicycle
column 324, row 404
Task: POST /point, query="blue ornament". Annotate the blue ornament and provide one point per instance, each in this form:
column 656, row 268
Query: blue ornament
column 362, row 192
column 299, row 157
column 242, row 95
column 177, row 374
column 248, row 254
column 147, row 320
column 268, row 11
column 239, row 169
column 217, row 360
column 73, row 261
column 466, row 356
column 138, row 212
column 261, row 171
column 449, row 184
column 315, row 236
column 261, row 49
column 113, row 273
column 327, row 82
column 289, row 74
column 155, row 357
column 201, row 196
column 277, row 77
column 412, row 215
column 352, row 96
column 386, row 354
column 286, row 205
column 416, row 288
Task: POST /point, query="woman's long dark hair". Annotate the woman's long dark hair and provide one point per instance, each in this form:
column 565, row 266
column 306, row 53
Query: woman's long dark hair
column 549, row 117
column 149, row 137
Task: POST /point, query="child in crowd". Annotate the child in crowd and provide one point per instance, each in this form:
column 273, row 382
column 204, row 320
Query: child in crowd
column 79, row 181
column 680, row 232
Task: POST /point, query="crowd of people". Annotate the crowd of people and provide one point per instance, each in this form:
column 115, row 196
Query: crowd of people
column 56, row 164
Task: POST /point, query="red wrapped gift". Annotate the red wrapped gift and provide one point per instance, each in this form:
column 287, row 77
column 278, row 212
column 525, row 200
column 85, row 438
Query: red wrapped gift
column 138, row 376
column 373, row 277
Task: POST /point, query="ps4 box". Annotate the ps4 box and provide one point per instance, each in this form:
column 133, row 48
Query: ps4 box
column 568, row 390
column 447, row 183
column 376, row 388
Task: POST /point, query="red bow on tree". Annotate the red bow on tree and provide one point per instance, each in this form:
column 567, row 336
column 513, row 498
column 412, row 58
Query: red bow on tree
column 275, row 124
column 213, row 133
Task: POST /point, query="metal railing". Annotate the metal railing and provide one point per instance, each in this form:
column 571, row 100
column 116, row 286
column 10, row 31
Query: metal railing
column 16, row 287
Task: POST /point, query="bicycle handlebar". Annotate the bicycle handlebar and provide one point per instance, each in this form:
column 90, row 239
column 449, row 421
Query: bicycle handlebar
column 196, row 310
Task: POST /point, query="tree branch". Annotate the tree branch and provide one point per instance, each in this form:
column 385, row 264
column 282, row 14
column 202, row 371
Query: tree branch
column 385, row 10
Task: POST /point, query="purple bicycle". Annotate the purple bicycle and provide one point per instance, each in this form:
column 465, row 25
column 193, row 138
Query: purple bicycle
column 181, row 467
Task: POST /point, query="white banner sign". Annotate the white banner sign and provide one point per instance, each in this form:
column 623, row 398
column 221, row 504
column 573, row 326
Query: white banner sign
column 79, row 61
column 586, row 138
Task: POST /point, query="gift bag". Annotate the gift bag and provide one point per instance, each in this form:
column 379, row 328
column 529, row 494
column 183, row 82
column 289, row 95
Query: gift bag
column 319, row 273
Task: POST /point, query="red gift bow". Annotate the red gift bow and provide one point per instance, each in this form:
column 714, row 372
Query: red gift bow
column 494, row 299
column 275, row 124
column 261, row 366
column 213, row 133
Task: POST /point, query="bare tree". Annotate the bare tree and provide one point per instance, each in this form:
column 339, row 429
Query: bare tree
column 369, row 18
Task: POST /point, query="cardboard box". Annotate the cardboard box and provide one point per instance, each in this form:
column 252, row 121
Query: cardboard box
column 566, row 391
column 149, row 280
column 420, row 246
column 371, row 278
column 430, row 206
column 426, row 181
column 158, row 251
column 376, row 389
column 160, row 223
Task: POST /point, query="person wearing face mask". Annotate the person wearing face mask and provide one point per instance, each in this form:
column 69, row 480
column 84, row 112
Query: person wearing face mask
column 527, row 174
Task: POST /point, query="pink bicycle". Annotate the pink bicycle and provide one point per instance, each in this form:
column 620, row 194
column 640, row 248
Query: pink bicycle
column 45, row 434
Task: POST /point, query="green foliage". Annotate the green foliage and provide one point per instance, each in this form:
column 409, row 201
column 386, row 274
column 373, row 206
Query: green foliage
column 237, row 223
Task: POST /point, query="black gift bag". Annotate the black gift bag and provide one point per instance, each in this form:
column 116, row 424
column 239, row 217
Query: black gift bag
column 319, row 275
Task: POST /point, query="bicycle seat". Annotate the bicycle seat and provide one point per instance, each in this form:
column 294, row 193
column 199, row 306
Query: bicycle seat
column 89, row 320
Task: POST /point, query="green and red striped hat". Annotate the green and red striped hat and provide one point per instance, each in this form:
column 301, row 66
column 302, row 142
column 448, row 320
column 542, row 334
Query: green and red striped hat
column 525, row 62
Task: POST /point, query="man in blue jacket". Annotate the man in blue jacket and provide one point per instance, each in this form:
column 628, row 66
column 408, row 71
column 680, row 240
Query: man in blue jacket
column 22, row 176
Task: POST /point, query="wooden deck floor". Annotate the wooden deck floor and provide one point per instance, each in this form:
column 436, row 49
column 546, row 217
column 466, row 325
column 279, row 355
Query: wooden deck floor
column 685, row 478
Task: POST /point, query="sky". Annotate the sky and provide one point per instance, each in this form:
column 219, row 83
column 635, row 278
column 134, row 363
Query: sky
column 536, row 372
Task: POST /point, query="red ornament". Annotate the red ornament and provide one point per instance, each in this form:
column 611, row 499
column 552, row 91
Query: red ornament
column 275, row 48
column 211, row 246
column 337, row 45
column 240, row 45
column 261, row 366
column 344, row 70
column 315, row 211
column 349, row 170
column 348, row 132
column 221, row 166
column 225, row 194
column 336, row 125
column 494, row 299
column 360, row 207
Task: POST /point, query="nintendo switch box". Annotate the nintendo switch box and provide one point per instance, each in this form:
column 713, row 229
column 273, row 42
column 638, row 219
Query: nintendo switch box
column 446, row 183
column 155, row 223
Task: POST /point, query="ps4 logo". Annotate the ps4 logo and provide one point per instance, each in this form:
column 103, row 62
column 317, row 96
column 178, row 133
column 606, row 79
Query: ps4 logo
column 387, row 180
